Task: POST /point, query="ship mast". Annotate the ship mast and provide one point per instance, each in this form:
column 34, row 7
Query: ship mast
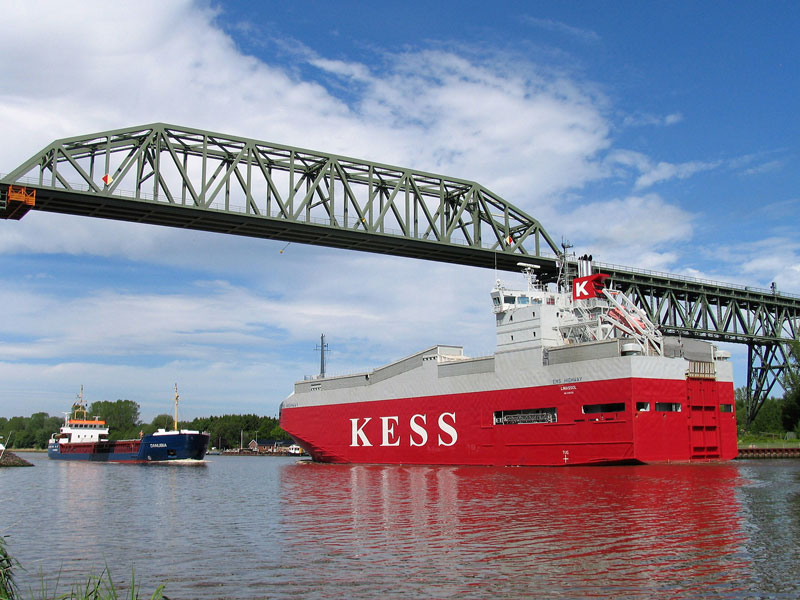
column 323, row 348
column 176, row 408
column 563, row 267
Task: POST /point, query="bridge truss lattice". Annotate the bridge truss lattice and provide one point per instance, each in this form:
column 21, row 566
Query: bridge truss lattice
column 168, row 175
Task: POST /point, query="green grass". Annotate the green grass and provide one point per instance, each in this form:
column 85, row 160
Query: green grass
column 95, row 588
column 766, row 440
column 8, row 587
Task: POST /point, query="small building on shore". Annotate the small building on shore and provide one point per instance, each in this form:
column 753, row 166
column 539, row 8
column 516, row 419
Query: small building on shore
column 261, row 446
column 272, row 446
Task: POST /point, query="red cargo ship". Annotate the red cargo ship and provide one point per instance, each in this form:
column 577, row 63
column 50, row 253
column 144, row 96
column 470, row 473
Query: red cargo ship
column 581, row 376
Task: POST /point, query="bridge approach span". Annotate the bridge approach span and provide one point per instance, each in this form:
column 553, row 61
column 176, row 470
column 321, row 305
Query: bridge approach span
column 180, row 177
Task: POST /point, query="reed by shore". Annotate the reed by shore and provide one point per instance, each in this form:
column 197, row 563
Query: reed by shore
column 96, row 587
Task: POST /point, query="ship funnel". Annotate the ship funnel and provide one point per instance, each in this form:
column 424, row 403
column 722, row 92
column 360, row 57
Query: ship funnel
column 585, row 265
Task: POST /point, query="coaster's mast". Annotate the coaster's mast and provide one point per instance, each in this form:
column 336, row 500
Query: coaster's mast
column 175, row 419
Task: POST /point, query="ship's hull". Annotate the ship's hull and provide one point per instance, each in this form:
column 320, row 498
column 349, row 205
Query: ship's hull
column 151, row 448
column 635, row 420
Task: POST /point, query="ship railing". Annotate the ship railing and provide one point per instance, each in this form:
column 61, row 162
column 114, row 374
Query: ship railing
column 701, row 370
column 716, row 283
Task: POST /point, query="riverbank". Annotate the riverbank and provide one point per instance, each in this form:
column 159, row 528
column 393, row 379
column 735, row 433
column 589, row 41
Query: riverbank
column 769, row 452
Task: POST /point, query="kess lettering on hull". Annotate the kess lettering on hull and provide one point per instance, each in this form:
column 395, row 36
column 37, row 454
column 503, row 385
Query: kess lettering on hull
column 417, row 436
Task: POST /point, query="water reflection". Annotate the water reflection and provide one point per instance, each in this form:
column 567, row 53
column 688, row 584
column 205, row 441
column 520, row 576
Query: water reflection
column 580, row 532
column 770, row 502
column 254, row 528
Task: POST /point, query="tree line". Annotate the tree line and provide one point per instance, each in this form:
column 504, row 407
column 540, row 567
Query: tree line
column 776, row 416
column 124, row 422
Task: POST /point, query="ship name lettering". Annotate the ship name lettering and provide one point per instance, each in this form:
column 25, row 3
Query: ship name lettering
column 388, row 430
column 448, row 429
column 158, row 445
column 418, row 436
column 358, row 432
column 419, row 430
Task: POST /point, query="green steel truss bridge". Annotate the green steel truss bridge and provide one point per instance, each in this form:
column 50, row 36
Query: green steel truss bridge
column 180, row 177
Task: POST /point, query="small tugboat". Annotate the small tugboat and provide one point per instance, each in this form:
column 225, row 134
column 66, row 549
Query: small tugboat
column 85, row 438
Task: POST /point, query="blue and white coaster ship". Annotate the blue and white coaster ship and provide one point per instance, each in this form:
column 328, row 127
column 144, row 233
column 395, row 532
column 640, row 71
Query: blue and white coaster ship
column 85, row 438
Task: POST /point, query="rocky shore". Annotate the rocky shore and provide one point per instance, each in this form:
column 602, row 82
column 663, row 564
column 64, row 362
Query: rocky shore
column 12, row 460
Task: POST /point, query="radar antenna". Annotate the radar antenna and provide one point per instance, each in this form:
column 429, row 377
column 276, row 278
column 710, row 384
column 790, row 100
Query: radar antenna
column 563, row 266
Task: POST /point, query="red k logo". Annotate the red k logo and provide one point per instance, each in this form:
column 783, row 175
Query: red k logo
column 588, row 287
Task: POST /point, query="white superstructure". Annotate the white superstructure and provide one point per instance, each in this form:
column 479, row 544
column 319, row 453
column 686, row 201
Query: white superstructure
column 545, row 336
column 79, row 428
column 542, row 318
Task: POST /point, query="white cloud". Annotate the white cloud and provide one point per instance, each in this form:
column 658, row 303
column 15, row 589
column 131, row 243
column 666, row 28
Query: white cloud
column 789, row 278
column 584, row 35
column 664, row 171
column 521, row 133
column 212, row 329
column 649, row 120
column 494, row 118
column 206, row 388
column 757, row 263
column 641, row 231
column 766, row 167
column 191, row 321
column 648, row 172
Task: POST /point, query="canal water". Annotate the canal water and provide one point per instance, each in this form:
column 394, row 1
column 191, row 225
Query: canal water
column 250, row 527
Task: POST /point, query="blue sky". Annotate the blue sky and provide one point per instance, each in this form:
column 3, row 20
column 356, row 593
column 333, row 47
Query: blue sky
column 655, row 135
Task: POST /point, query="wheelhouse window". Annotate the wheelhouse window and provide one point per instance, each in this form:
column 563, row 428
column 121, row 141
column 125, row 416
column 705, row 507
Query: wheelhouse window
column 528, row 416
column 726, row 408
column 643, row 406
column 668, row 406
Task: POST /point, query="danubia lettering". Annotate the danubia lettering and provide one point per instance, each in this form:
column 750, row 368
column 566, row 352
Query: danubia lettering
column 390, row 434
